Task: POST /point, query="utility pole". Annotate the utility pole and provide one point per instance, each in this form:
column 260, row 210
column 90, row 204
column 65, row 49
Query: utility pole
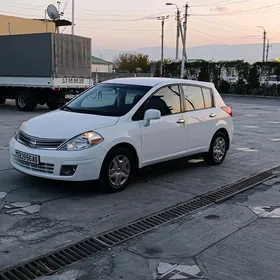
column 178, row 33
column 58, row 8
column 182, row 36
column 264, row 41
column 73, row 16
column 184, row 52
column 162, row 18
column 268, row 46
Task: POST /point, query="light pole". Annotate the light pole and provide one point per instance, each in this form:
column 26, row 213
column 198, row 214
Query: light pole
column 162, row 18
column 184, row 56
column 73, row 16
column 264, row 40
column 177, row 27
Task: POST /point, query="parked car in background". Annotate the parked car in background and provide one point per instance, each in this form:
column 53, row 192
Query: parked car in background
column 121, row 125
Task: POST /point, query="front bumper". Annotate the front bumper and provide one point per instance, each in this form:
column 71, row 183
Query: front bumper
column 89, row 162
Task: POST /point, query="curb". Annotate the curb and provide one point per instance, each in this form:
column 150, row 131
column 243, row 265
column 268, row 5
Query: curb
column 251, row 96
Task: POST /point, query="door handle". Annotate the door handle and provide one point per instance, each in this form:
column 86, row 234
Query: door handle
column 212, row 115
column 180, row 121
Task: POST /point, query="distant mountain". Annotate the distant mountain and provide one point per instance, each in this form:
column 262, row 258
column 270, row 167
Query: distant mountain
column 248, row 52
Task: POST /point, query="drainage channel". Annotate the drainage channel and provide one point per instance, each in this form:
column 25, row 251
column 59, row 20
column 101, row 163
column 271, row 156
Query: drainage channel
column 57, row 260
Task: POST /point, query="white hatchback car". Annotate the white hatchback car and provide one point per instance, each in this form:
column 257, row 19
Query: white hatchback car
column 118, row 126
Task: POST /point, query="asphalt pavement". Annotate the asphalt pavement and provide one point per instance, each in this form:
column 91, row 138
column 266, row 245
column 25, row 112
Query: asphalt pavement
column 239, row 241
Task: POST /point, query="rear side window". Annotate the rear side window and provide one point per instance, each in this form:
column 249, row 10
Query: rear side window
column 193, row 98
column 208, row 98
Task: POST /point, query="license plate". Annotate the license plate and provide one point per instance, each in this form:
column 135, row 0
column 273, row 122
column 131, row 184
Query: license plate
column 70, row 96
column 29, row 158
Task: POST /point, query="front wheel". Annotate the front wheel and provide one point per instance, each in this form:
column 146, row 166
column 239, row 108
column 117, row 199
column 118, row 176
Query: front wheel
column 117, row 170
column 218, row 149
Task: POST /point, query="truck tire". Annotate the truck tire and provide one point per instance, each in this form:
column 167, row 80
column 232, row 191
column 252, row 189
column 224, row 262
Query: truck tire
column 53, row 105
column 2, row 100
column 25, row 102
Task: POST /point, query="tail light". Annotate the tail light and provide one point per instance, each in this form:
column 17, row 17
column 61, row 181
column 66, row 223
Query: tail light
column 227, row 110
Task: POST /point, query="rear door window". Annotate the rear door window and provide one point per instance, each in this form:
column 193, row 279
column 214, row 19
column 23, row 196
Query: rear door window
column 208, row 98
column 193, row 97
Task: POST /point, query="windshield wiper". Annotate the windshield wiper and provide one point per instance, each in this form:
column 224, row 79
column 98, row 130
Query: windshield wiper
column 66, row 108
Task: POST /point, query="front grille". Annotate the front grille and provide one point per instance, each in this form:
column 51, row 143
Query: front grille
column 41, row 167
column 39, row 143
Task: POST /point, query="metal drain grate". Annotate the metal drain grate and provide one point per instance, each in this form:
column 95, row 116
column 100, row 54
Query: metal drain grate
column 52, row 262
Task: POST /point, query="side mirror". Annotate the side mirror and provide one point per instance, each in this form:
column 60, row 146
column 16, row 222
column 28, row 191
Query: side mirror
column 151, row 114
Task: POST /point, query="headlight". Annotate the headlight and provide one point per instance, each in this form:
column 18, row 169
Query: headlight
column 18, row 130
column 81, row 142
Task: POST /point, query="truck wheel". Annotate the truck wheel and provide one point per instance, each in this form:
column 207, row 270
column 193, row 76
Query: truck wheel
column 53, row 105
column 25, row 102
column 2, row 100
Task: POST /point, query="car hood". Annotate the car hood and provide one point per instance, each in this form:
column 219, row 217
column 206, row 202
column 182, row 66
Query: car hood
column 63, row 124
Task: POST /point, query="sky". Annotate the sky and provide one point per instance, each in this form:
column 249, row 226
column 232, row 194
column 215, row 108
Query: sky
column 132, row 24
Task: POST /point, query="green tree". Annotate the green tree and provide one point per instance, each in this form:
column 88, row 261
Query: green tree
column 131, row 61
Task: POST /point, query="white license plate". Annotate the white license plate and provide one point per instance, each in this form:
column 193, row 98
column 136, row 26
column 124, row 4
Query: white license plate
column 70, row 96
column 29, row 158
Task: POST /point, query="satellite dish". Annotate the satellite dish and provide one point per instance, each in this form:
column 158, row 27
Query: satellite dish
column 52, row 12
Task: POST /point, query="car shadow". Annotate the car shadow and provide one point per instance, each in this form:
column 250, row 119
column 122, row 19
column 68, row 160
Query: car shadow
column 89, row 188
column 10, row 105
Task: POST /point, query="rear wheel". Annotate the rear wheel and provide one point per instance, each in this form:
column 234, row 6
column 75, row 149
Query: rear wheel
column 218, row 149
column 117, row 170
column 53, row 105
column 41, row 102
column 2, row 100
column 25, row 102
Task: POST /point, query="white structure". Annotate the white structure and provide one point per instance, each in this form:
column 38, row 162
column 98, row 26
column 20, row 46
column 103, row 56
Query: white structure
column 101, row 66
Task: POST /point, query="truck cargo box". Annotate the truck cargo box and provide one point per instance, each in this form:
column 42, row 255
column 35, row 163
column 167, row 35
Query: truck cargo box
column 45, row 55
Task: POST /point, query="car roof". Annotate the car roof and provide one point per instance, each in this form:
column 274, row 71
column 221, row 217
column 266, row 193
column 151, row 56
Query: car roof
column 149, row 81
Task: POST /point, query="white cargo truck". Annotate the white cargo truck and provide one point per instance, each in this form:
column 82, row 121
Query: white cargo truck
column 43, row 68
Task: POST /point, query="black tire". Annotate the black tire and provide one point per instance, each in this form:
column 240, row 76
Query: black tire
column 25, row 101
column 212, row 157
column 53, row 105
column 105, row 182
column 2, row 100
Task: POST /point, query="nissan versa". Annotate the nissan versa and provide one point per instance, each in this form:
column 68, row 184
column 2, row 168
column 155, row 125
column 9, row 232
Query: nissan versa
column 118, row 126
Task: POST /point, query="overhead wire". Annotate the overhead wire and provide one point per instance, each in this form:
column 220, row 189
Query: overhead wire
column 105, row 16
column 221, row 24
column 238, row 12
column 222, row 3
column 122, row 29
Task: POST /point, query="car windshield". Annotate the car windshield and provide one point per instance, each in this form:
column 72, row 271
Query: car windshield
column 108, row 99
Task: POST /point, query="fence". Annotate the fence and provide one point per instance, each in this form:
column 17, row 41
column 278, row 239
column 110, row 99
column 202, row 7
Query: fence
column 100, row 77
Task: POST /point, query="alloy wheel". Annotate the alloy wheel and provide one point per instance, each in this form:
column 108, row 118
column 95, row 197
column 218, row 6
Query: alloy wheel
column 119, row 171
column 219, row 149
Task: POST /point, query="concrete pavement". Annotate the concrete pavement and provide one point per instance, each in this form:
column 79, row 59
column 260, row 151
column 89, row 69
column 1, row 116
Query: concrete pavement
column 63, row 213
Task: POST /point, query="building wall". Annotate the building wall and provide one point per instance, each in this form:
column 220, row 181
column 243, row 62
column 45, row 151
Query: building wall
column 24, row 26
column 102, row 68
